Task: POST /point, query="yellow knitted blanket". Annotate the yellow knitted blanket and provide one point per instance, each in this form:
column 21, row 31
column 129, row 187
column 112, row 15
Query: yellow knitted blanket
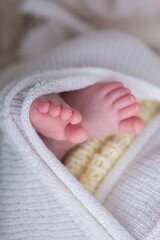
column 91, row 161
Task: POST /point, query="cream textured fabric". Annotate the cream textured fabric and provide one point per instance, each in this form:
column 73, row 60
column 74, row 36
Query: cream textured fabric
column 39, row 183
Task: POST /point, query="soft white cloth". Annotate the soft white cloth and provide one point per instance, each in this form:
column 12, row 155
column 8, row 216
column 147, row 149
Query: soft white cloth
column 39, row 198
column 68, row 18
column 139, row 190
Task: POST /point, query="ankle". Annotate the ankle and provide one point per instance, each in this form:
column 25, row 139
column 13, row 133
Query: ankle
column 59, row 148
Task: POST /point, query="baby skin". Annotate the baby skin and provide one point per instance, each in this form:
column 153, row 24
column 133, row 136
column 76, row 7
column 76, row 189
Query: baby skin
column 103, row 109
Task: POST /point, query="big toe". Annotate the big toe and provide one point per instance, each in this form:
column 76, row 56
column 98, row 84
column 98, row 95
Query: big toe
column 133, row 125
column 75, row 133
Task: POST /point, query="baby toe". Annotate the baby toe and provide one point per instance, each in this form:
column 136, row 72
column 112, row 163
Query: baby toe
column 133, row 125
column 54, row 109
column 42, row 104
column 116, row 94
column 130, row 111
column 124, row 101
column 76, row 117
column 75, row 133
column 65, row 114
column 106, row 88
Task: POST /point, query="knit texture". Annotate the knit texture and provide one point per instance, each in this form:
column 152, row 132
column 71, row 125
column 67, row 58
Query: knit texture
column 141, row 182
column 27, row 209
column 80, row 63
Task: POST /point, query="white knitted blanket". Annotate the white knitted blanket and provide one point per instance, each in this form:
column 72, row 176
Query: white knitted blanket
column 39, row 198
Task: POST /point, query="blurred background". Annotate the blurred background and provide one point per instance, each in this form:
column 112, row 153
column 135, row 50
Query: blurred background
column 33, row 27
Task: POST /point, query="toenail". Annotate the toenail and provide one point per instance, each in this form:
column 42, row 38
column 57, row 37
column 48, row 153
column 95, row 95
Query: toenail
column 69, row 111
column 57, row 110
column 132, row 99
column 136, row 107
column 127, row 90
column 120, row 84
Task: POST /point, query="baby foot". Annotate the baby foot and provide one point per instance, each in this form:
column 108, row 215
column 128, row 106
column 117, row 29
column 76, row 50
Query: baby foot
column 52, row 117
column 107, row 109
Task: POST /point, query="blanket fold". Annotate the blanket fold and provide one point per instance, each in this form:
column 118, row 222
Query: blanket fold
column 54, row 203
